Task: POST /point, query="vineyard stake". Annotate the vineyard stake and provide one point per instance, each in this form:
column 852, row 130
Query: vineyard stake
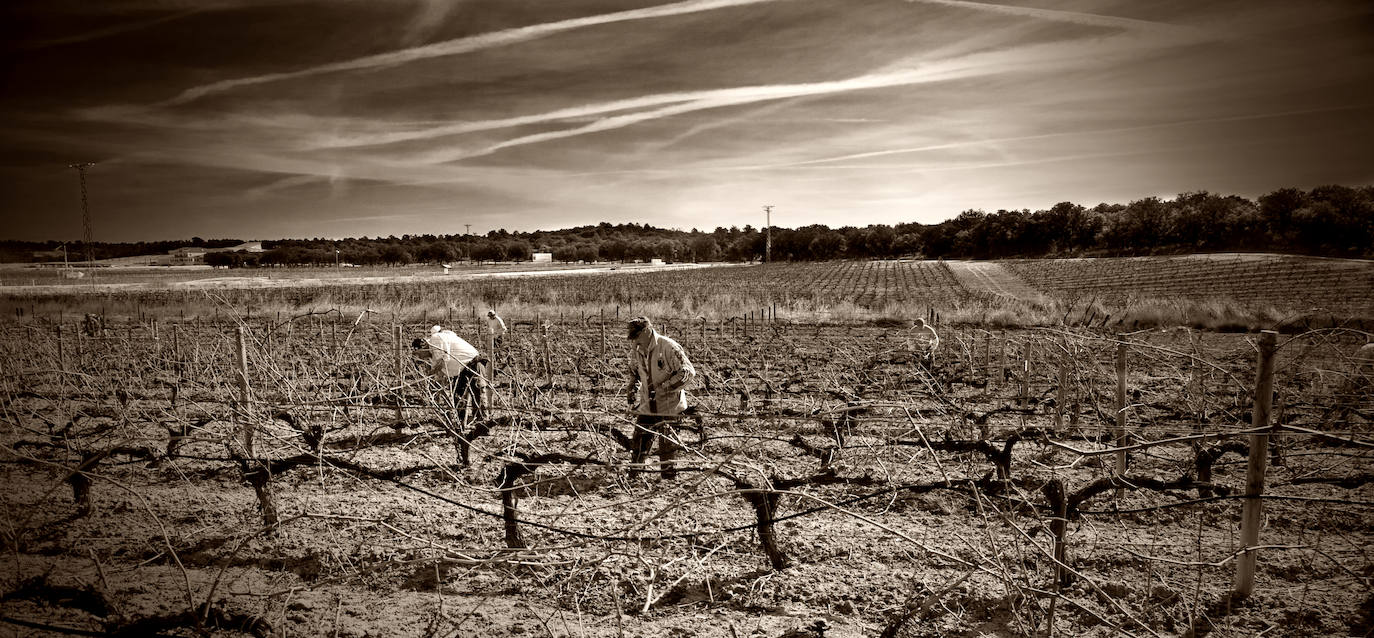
column 491, row 372
column 1002, row 358
column 544, row 341
column 1024, row 397
column 244, row 394
column 400, row 375
column 61, row 353
column 1059, row 397
column 1254, row 471
column 1120, row 410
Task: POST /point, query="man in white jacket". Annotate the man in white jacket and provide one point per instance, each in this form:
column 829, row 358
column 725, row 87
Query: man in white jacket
column 454, row 360
column 924, row 343
column 659, row 375
column 496, row 327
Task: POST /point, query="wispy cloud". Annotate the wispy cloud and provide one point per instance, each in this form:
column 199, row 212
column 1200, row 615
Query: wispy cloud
column 462, row 45
column 110, row 31
column 993, row 142
column 1073, row 17
column 1062, row 55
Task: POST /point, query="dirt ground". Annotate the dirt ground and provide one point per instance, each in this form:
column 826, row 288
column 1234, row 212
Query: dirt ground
column 883, row 523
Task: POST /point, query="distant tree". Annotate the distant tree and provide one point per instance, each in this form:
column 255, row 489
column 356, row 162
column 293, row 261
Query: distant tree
column 486, row 250
column 221, row 260
column 396, row 255
column 705, row 248
column 615, row 249
column 437, row 251
column 517, row 250
column 565, row 253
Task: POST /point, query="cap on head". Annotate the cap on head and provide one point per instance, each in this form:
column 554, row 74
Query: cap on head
column 636, row 326
column 434, row 330
column 491, row 313
column 920, row 322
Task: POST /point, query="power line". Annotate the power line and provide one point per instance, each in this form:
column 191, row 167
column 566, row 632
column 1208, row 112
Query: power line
column 767, row 234
column 85, row 208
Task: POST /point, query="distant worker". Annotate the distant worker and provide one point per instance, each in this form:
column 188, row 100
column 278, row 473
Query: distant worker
column 1364, row 357
column 496, row 327
column 454, row 360
column 1364, row 363
column 924, row 343
column 659, row 375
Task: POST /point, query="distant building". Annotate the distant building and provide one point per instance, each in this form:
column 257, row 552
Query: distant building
column 543, row 258
column 193, row 255
column 655, row 262
column 249, row 247
column 185, row 256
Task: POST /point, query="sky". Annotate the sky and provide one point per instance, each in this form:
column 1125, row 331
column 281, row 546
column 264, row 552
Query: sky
column 266, row 119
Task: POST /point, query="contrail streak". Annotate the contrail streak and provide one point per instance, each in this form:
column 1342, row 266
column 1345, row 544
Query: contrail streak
column 1042, row 136
column 1075, row 17
column 461, row 45
column 671, row 104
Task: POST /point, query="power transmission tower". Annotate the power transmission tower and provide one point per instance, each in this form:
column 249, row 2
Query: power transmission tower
column 469, row 227
column 85, row 208
column 767, row 234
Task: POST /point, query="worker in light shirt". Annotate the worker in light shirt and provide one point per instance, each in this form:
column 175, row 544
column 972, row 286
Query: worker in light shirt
column 924, row 343
column 496, row 327
column 454, row 360
column 659, row 375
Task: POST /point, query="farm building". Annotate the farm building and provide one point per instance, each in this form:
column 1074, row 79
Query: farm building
column 543, row 258
column 192, row 255
column 186, row 256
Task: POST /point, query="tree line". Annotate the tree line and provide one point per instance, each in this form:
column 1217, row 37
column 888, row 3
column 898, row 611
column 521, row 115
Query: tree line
column 1336, row 221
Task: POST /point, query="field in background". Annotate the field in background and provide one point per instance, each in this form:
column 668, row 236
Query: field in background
column 1229, row 292
column 159, row 276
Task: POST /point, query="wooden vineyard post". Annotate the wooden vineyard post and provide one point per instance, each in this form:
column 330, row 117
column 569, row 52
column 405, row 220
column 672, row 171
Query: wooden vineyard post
column 1002, row 360
column 1061, row 394
column 1120, row 435
column 1199, row 384
column 1254, row 471
column 244, row 398
column 61, row 353
column 254, row 471
column 544, row 341
column 987, row 362
column 400, row 376
column 176, row 351
column 602, row 323
column 1023, row 396
column 491, row 373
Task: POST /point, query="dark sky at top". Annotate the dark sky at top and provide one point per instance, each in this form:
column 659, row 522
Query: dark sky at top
column 273, row 118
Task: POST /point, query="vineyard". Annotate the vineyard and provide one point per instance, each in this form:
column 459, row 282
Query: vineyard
column 270, row 461
column 1286, row 282
column 295, row 475
column 1230, row 293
